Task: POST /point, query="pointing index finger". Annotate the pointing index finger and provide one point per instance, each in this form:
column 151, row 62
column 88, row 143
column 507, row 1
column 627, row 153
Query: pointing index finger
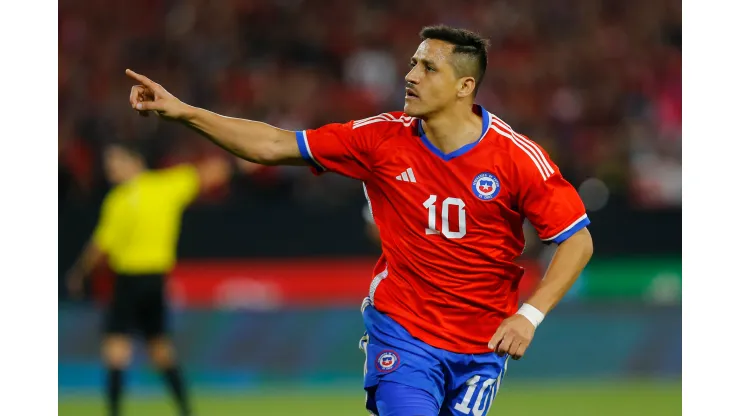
column 141, row 78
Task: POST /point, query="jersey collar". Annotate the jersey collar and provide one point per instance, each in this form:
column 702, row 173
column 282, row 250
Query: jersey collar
column 461, row 151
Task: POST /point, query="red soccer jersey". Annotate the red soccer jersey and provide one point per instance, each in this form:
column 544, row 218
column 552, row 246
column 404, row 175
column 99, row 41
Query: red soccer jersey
column 450, row 224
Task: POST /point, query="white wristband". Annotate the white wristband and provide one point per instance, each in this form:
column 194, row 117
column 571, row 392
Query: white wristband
column 532, row 314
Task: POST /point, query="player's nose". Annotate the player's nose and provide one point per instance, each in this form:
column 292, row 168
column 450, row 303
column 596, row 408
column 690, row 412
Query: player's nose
column 412, row 78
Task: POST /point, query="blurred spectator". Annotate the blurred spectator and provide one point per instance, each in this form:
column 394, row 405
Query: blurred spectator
column 597, row 83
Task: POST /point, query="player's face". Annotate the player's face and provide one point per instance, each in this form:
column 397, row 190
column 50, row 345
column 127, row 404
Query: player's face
column 120, row 165
column 431, row 84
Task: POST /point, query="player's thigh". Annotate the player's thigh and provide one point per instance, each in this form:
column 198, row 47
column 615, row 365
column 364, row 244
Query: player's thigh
column 404, row 362
column 473, row 397
column 393, row 399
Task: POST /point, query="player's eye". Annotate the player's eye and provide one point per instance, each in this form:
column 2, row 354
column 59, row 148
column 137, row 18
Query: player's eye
column 430, row 68
column 412, row 64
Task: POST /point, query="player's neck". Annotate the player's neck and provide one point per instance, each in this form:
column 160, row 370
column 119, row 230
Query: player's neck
column 132, row 175
column 453, row 129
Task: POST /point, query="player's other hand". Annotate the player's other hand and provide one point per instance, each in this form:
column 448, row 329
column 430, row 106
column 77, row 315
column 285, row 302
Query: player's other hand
column 75, row 284
column 150, row 96
column 512, row 337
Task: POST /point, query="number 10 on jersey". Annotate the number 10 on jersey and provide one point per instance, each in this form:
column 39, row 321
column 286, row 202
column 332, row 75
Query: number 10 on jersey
column 431, row 206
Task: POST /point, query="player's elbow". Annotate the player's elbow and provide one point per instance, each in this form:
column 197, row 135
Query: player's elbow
column 268, row 154
column 583, row 242
column 279, row 148
column 579, row 244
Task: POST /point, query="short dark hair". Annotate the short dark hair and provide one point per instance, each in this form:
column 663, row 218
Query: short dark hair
column 467, row 43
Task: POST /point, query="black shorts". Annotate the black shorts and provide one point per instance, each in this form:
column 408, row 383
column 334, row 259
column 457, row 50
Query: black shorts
column 138, row 306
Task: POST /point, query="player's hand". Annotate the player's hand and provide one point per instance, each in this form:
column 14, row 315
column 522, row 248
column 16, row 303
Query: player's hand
column 512, row 337
column 150, row 96
column 75, row 284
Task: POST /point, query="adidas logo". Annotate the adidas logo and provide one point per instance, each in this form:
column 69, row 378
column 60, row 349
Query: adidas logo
column 407, row 176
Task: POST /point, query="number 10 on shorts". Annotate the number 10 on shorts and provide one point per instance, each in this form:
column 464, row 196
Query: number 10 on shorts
column 483, row 399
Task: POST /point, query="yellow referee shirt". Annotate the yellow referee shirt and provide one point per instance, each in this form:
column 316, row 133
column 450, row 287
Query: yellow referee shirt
column 140, row 220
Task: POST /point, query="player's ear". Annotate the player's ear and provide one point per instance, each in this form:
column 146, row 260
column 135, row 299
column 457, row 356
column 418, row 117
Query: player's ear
column 465, row 86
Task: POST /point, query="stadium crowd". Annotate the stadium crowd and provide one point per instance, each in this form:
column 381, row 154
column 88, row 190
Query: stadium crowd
column 597, row 83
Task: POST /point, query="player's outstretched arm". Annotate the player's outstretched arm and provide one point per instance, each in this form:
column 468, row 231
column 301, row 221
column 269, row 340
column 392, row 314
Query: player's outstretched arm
column 251, row 140
column 516, row 332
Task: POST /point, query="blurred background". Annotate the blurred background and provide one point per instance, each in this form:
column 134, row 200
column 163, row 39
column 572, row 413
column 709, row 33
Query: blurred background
column 275, row 264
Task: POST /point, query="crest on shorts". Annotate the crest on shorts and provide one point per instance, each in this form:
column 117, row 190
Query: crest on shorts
column 387, row 360
column 486, row 186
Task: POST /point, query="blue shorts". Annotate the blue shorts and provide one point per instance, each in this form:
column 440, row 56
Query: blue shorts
column 404, row 372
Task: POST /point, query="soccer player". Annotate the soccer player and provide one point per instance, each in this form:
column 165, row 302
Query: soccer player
column 138, row 231
column 450, row 184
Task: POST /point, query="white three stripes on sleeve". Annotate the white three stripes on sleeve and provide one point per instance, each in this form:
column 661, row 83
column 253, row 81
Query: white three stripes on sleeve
column 371, row 120
column 385, row 117
column 528, row 143
column 527, row 146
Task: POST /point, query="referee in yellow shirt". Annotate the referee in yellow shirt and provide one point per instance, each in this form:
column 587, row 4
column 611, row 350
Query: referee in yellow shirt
column 138, row 231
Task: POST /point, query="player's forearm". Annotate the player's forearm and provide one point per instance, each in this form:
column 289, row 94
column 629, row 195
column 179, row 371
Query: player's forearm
column 251, row 140
column 87, row 261
column 567, row 264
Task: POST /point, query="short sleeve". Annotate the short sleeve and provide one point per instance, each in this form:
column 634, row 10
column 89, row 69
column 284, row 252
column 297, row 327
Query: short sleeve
column 111, row 221
column 181, row 182
column 550, row 202
column 346, row 149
